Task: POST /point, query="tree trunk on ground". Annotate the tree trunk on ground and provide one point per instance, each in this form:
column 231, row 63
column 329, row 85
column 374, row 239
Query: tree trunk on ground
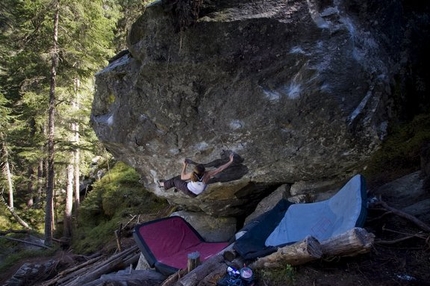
column 353, row 242
column 116, row 262
column 295, row 254
column 49, row 215
column 199, row 274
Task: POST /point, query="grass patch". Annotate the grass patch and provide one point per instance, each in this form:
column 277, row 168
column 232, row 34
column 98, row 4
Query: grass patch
column 277, row 276
column 114, row 199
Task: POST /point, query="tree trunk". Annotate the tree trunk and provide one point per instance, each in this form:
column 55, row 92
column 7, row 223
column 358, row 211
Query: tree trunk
column 198, row 274
column 15, row 215
column 30, row 186
column 6, row 171
column 69, row 202
column 9, row 183
column 49, row 215
column 40, row 183
column 75, row 129
column 295, row 254
column 350, row 243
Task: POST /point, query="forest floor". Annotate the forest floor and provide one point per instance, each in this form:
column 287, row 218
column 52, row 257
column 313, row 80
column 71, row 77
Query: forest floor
column 400, row 256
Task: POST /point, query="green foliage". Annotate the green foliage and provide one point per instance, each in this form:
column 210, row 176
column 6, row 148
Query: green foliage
column 5, row 221
column 130, row 11
column 85, row 42
column 277, row 276
column 400, row 153
column 115, row 198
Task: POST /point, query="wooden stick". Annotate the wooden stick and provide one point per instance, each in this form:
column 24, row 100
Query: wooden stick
column 27, row 242
column 406, row 234
column 409, row 217
column 388, row 242
column 406, row 237
column 118, row 240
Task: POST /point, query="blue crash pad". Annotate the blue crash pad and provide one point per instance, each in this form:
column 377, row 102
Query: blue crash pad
column 287, row 223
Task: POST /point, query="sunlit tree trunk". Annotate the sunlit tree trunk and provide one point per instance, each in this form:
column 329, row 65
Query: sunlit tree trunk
column 6, row 170
column 49, row 215
column 30, row 186
column 8, row 175
column 40, row 183
column 69, row 201
column 75, row 129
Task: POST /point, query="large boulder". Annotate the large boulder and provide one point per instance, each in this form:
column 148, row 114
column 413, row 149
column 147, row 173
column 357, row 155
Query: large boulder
column 299, row 90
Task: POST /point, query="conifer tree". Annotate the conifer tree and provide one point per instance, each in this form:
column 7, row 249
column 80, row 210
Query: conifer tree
column 39, row 78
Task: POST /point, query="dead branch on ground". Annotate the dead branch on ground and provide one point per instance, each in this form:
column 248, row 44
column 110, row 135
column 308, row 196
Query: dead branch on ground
column 406, row 236
column 27, row 242
column 402, row 214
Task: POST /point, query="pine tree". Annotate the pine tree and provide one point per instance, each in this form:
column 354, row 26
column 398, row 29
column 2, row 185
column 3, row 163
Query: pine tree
column 37, row 85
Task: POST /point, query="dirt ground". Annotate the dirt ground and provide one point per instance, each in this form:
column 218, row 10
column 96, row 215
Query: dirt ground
column 400, row 256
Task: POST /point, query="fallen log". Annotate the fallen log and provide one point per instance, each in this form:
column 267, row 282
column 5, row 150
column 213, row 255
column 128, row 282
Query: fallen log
column 172, row 279
column 200, row 272
column 125, row 277
column 14, row 231
column 214, row 276
column 298, row 253
column 74, row 271
column 350, row 243
column 117, row 261
column 26, row 242
column 218, row 273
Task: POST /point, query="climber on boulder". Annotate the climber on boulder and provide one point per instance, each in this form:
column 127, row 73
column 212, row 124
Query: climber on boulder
column 193, row 183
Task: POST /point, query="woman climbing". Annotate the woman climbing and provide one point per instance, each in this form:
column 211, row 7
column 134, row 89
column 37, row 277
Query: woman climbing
column 195, row 182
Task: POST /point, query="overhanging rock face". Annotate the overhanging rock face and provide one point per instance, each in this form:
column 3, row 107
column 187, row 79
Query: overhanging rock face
column 298, row 89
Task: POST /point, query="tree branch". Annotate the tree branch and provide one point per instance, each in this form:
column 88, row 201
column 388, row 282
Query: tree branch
column 14, row 214
column 409, row 217
column 27, row 242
